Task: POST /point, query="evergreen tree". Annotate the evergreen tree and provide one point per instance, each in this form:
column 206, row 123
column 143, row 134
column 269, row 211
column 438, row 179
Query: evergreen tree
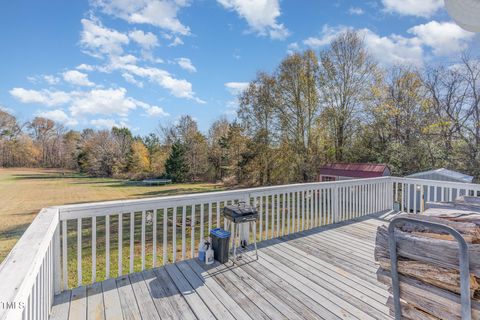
column 176, row 165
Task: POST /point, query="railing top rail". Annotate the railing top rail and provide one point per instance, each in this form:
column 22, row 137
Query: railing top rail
column 19, row 270
column 124, row 206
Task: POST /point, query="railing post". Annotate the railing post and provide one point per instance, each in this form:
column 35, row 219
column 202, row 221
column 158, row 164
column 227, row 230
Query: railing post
column 335, row 204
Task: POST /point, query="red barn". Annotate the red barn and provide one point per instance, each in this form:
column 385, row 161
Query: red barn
column 345, row 171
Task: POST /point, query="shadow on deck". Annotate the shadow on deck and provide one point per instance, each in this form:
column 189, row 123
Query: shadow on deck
column 325, row 273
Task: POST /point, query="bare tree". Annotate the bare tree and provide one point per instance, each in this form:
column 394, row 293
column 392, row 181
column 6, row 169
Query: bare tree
column 346, row 74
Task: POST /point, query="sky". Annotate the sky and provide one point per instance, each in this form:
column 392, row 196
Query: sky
column 138, row 64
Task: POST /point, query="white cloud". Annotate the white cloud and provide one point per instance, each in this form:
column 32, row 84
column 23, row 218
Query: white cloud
column 176, row 42
column 105, row 123
column 131, row 79
column 50, row 79
column 102, row 101
column 58, row 115
column 155, row 111
column 186, row 64
column 112, row 101
column 85, row 67
column 261, row 16
column 445, row 38
column 236, row 87
column 77, row 78
column 179, row 88
column 293, row 47
column 45, row 97
column 356, row 11
column 419, row 8
column 393, row 49
column 98, row 40
column 152, row 111
column 159, row 13
column 327, row 35
column 147, row 40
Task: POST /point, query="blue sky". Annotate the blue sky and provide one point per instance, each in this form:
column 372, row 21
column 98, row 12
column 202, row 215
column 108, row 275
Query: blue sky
column 116, row 62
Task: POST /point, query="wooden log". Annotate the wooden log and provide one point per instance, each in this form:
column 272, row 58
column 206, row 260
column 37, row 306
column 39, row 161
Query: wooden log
column 409, row 311
column 437, row 302
column 470, row 231
column 454, row 211
column 468, row 200
column 444, row 278
column 440, row 253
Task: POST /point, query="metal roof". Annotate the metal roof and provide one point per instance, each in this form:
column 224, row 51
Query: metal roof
column 354, row 170
column 444, row 172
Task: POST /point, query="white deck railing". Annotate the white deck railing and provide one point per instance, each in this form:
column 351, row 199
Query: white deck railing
column 412, row 194
column 76, row 245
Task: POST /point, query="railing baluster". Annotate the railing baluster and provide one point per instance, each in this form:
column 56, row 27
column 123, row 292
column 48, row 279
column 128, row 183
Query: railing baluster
column 218, row 214
column 266, row 217
column 79, row 252
column 107, row 246
column 154, row 238
column 283, row 213
column 94, row 249
column 143, row 240
column 294, row 210
column 415, row 199
column 120, row 244
column 278, row 214
column 192, row 236
column 260, row 218
column 132, row 240
column 289, row 211
column 184, row 236
column 202, row 212
column 408, row 197
column 272, row 211
column 210, row 214
column 64, row 254
column 312, row 212
column 174, row 235
column 165, row 236
column 303, row 209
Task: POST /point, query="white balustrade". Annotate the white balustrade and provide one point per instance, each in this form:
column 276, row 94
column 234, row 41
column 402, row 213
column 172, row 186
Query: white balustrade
column 76, row 245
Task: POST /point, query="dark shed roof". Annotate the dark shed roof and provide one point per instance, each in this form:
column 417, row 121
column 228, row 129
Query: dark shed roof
column 354, row 170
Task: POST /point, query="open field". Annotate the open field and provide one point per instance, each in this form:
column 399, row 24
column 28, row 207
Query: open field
column 23, row 192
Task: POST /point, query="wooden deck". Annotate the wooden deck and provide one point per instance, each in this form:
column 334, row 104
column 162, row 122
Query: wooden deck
column 324, row 273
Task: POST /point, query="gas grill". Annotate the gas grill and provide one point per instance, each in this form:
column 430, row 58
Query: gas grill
column 241, row 215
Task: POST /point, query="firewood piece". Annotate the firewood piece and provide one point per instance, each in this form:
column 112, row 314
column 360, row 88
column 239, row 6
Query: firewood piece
column 409, row 311
column 454, row 212
column 468, row 200
column 437, row 302
column 469, row 231
column 444, row 278
column 440, row 253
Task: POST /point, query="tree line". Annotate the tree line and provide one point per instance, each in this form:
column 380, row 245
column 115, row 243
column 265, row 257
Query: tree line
column 338, row 105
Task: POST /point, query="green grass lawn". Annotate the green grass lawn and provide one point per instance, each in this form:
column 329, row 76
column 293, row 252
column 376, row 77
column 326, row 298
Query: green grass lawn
column 23, row 192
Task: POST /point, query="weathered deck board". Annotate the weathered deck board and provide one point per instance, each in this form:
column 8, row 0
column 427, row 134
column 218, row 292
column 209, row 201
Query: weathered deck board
column 324, row 273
